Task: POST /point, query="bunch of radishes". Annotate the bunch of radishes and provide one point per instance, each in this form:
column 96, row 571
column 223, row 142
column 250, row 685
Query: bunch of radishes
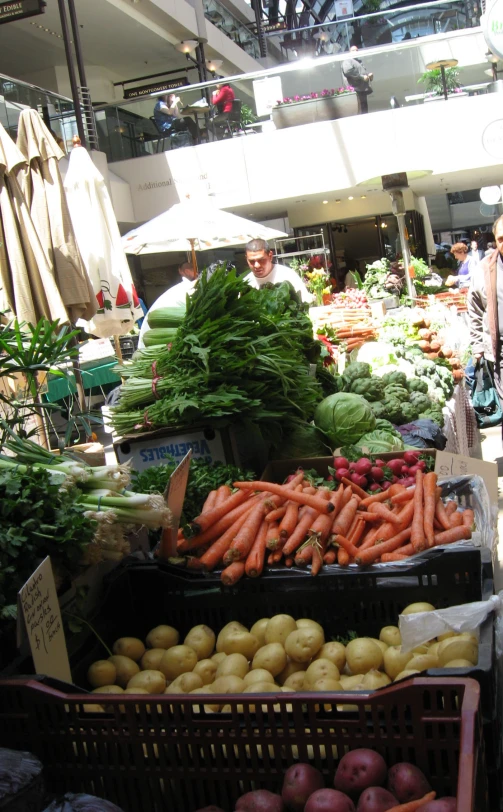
column 352, row 298
column 379, row 475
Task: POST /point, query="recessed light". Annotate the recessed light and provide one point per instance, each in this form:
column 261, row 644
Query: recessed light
column 364, row 197
column 325, row 201
column 350, row 197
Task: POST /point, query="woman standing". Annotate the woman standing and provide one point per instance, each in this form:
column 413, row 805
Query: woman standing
column 465, row 269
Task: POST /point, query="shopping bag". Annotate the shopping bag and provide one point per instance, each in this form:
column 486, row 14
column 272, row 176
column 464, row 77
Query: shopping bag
column 485, row 400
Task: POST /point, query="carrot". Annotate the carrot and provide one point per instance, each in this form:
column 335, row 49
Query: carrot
column 310, row 489
column 468, row 517
column 270, row 559
column 451, row 506
column 223, row 493
column 369, row 517
column 274, row 515
column 343, row 521
column 403, row 496
column 216, row 530
column 316, row 502
column 193, row 563
column 442, row 515
column 355, row 488
column 355, row 537
column 289, row 561
column 413, row 806
column 231, row 574
column 209, row 502
column 255, row 562
column 216, row 552
column 277, row 556
column 430, row 498
column 386, row 558
column 452, row 535
column 289, row 520
column 341, row 541
column 352, row 528
column 245, row 537
column 330, row 557
column 272, row 538
column 338, row 499
column 456, row 519
column 322, row 528
column 369, row 538
column 204, row 521
column 365, row 557
column 347, row 494
column 382, row 497
column 342, row 557
column 417, row 536
column 304, row 555
column 299, row 533
column 436, row 524
column 384, row 513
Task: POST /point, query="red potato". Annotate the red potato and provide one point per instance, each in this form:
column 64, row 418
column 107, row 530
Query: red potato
column 329, row 800
column 447, row 804
column 407, row 782
column 376, row 799
column 261, row 800
column 359, row 770
column 299, row 783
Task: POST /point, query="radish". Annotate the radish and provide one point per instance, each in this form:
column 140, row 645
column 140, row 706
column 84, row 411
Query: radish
column 341, row 472
column 394, row 480
column 404, row 470
column 341, row 462
column 330, row 478
column 421, row 464
column 395, row 466
column 375, row 487
column 413, row 470
column 380, row 463
column 408, row 481
column 386, row 484
column 411, row 457
column 363, row 466
column 377, row 474
column 359, row 480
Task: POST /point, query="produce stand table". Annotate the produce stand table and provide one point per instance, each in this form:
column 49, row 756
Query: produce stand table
column 99, row 375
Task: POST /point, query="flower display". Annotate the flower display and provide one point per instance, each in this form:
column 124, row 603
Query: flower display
column 323, row 94
column 315, row 275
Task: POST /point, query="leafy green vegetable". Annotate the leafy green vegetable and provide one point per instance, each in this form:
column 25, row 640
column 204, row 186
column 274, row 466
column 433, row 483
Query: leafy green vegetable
column 369, row 388
column 305, row 440
column 433, row 414
column 416, row 385
column 420, row 400
column 397, row 378
column 397, row 392
column 344, row 418
column 356, row 370
column 379, row 442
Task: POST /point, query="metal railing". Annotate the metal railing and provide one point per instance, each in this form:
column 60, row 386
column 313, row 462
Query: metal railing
column 233, row 28
column 56, row 110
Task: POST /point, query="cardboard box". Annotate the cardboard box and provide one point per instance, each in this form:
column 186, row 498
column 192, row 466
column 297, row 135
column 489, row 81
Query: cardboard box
column 278, row 470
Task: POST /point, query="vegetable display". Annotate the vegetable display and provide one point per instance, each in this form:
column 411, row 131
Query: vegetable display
column 344, row 418
column 379, row 475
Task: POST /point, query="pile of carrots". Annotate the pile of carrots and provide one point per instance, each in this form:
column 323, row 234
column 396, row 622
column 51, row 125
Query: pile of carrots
column 448, row 298
column 295, row 523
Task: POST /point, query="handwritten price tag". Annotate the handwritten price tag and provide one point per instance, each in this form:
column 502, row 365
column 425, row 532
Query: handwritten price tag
column 174, row 496
column 447, row 465
column 38, row 605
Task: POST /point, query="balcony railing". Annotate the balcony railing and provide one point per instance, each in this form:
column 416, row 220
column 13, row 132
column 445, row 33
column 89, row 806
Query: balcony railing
column 233, row 28
column 57, row 111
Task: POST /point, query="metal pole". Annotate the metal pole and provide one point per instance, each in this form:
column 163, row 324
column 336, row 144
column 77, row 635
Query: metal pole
column 71, row 72
column 404, row 244
column 444, row 83
column 76, row 43
column 262, row 42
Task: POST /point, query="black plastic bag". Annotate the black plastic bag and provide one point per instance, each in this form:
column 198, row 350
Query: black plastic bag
column 485, row 400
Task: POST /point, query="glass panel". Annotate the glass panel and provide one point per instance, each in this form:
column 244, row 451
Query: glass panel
column 56, row 111
column 233, row 28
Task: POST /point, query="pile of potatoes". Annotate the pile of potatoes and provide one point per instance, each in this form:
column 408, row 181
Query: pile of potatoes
column 277, row 653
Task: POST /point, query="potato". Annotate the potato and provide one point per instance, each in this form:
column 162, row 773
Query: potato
column 407, row 782
column 457, row 648
column 290, row 668
column 358, row 770
column 421, row 662
column 152, row 658
column 376, row 799
column 108, row 689
column 232, row 626
column 228, row 685
column 445, row 804
column 202, row 640
column 278, row 629
column 409, row 672
column 333, row 651
column 299, row 783
column 219, row 657
column 320, row 669
column 363, row 655
column 258, row 630
column 307, row 623
column 185, row 683
column 258, row 675
column 177, row 660
column 353, row 683
column 391, row 635
column 395, row 660
column 460, row 663
column 102, row 672
column 469, row 636
column 446, row 635
column 325, row 684
column 295, row 681
column 303, row 644
column 424, row 649
column 206, row 669
column 233, row 665
column 260, row 800
column 329, row 800
column 271, row 657
column 373, row 680
column 162, row 637
column 125, row 668
column 136, row 691
column 130, row 647
column 261, row 688
column 433, row 650
column 152, row 681
column 414, row 608
column 238, row 641
column 382, row 645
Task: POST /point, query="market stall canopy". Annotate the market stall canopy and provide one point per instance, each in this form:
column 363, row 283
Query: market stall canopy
column 43, row 189
column 198, row 225
column 99, row 241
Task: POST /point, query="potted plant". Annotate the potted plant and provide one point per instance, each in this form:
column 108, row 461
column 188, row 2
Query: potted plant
column 328, row 105
column 433, row 84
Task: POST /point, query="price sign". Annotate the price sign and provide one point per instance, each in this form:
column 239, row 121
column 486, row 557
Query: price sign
column 447, row 465
column 174, row 496
column 39, row 618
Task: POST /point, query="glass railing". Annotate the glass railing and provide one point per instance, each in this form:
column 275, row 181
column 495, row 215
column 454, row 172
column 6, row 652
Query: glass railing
column 233, row 28
column 308, row 91
column 57, row 111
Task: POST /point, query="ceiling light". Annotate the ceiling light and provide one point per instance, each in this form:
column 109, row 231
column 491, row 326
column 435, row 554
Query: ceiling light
column 350, row 197
column 214, row 64
column 325, row 201
column 490, row 195
column 187, row 46
column 364, row 197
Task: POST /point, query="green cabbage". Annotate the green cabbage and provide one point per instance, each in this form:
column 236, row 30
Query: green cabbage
column 305, row 440
column 344, row 418
column 379, row 442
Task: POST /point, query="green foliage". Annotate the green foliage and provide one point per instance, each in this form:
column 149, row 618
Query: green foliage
column 397, row 378
column 375, row 278
column 410, row 411
column 432, row 80
column 379, row 442
column 247, row 115
column 304, row 440
column 357, row 369
column 394, row 391
column 420, row 400
column 344, row 418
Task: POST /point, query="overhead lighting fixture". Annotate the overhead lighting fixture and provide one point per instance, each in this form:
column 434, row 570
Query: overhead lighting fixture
column 350, row 197
column 214, row 64
column 325, row 201
column 187, row 46
column 364, row 197
column 490, row 195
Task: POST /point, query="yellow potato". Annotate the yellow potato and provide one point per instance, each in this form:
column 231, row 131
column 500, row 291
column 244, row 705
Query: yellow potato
column 232, row 626
column 321, row 669
column 285, row 689
column 382, row 645
column 234, row 665
column 162, row 637
column 261, row 688
column 152, row 658
column 136, row 691
column 177, row 660
column 414, row 608
column 125, row 669
column 206, row 669
column 108, row 689
column 152, row 681
column 424, row 649
column 219, row 657
column 409, row 672
column 457, row 648
column 278, row 629
column 271, row 657
column 203, row 690
column 102, row 672
column 130, row 647
column 363, row 655
column 326, row 684
column 433, row 649
column 307, row 623
column 202, row 640
column 303, row 644
column 238, row 641
column 290, row 668
column 258, row 630
column 228, row 685
column 469, row 636
column 295, row 681
column 353, row 683
column 395, row 660
column 459, row 663
column 391, row 635
column 421, row 662
column 333, row 651
column 445, row 636
column 184, row 684
column 258, row 675
column 375, row 679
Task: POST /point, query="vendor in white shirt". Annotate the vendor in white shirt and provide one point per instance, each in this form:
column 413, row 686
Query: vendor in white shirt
column 173, row 297
column 260, row 259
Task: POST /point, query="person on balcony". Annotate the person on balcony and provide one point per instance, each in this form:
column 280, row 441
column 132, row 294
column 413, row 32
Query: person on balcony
column 169, row 119
column 356, row 75
column 260, row 259
column 222, row 99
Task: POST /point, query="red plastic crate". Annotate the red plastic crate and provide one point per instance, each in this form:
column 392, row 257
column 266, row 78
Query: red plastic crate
column 169, row 753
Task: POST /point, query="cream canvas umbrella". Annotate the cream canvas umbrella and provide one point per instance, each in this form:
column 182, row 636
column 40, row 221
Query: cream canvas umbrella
column 43, row 189
column 99, row 241
column 195, row 226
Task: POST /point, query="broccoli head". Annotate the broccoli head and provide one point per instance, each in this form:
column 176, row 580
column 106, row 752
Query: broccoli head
column 369, row 388
column 416, row 385
column 398, row 378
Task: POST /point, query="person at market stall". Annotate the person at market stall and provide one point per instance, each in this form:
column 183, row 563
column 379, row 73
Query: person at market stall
column 465, row 269
column 485, row 309
column 490, row 248
column 260, row 259
column 173, row 297
column 356, row 75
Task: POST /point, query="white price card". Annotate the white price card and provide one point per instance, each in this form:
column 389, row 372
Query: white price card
column 39, row 613
column 447, row 465
column 174, row 496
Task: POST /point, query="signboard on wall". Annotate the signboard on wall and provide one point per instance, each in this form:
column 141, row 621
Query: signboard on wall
column 267, row 92
column 146, row 90
column 10, row 10
column 343, row 8
column 492, row 26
